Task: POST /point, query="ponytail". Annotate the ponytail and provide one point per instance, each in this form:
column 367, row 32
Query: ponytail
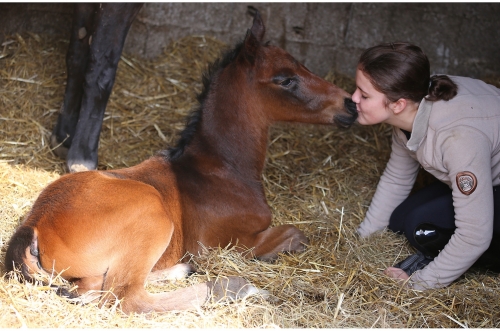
column 441, row 87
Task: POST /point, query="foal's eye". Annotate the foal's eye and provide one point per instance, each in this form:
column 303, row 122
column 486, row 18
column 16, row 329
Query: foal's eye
column 287, row 82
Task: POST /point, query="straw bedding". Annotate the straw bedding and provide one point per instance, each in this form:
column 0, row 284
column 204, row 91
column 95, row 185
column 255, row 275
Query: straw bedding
column 319, row 178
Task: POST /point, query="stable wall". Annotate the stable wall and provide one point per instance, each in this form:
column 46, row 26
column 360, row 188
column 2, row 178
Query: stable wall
column 459, row 38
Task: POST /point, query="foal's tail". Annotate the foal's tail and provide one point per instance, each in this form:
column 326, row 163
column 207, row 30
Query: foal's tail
column 22, row 255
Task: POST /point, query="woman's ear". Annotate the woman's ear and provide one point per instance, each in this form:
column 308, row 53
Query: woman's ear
column 398, row 106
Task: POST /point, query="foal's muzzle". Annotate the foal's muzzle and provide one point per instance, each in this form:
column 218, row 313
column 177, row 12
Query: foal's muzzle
column 346, row 121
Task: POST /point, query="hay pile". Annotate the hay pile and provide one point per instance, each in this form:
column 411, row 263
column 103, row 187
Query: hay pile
column 318, row 178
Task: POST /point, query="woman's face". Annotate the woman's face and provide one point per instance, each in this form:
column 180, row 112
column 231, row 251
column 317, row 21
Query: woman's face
column 370, row 103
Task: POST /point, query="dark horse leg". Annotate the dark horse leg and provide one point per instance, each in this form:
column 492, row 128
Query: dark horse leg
column 97, row 38
column 76, row 64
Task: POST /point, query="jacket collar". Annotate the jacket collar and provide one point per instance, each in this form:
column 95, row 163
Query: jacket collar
column 420, row 125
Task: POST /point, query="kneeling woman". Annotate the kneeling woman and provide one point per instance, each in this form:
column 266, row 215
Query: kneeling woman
column 450, row 126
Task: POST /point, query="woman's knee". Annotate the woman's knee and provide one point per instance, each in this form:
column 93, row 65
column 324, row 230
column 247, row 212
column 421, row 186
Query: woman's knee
column 427, row 223
column 422, row 206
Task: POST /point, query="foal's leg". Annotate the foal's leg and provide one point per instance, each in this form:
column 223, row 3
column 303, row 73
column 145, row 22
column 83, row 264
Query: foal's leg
column 111, row 24
column 137, row 299
column 193, row 297
column 279, row 239
column 76, row 64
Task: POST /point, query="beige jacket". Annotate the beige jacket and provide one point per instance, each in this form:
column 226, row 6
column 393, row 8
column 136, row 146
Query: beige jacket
column 457, row 141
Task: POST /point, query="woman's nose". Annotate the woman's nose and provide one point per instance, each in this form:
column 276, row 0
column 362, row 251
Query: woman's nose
column 356, row 96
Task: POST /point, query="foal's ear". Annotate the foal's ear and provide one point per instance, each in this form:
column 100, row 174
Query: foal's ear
column 258, row 29
column 254, row 37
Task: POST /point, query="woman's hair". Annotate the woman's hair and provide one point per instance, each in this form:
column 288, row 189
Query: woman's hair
column 402, row 70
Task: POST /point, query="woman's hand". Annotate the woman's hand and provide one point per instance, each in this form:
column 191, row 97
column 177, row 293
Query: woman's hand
column 396, row 273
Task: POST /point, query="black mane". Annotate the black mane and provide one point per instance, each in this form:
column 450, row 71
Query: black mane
column 195, row 117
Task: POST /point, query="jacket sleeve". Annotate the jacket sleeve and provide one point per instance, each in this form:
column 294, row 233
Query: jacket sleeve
column 394, row 186
column 463, row 150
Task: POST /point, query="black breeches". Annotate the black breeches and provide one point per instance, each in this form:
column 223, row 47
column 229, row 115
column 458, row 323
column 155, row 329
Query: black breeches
column 427, row 219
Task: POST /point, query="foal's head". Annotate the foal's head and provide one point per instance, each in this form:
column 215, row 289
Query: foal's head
column 255, row 84
column 285, row 90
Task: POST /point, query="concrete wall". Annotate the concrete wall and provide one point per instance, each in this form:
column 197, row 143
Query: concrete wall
column 459, row 38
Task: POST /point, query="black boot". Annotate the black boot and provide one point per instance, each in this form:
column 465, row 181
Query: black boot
column 429, row 240
column 413, row 263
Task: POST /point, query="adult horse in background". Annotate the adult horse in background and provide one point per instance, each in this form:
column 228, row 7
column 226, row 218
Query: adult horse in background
column 111, row 230
column 96, row 43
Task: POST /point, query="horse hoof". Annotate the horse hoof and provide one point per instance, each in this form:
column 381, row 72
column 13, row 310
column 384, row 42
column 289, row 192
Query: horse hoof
column 234, row 288
column 78, row 168
column 58, row 148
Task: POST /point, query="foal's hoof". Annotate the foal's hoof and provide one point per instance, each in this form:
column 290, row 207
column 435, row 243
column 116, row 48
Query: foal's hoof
column 234, row 288
column 58, row 148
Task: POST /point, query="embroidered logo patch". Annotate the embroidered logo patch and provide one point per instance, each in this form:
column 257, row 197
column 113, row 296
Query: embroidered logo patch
column 466, row 182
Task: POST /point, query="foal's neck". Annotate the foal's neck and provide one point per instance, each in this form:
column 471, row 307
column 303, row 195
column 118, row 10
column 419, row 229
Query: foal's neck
column 233, row 133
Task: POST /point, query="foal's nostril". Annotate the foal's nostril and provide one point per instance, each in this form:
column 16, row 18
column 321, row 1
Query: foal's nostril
column 351, row 107
column 346, row 121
